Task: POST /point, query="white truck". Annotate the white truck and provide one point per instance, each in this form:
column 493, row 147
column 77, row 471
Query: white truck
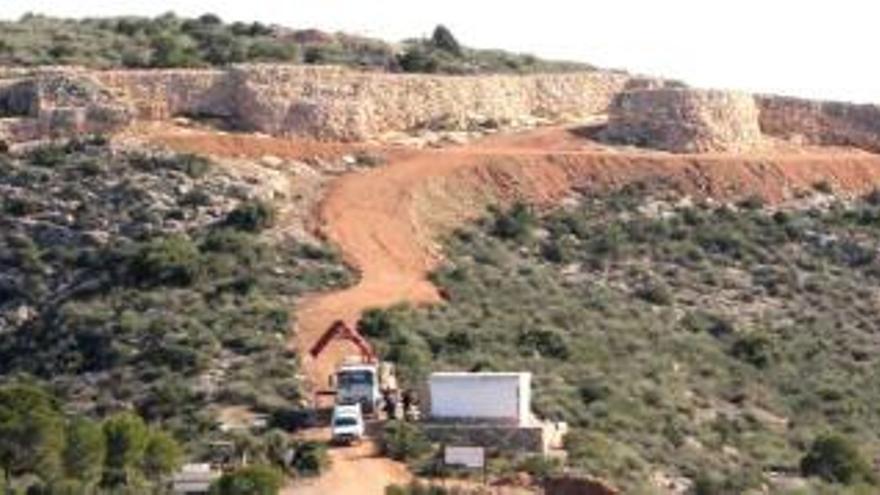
column 347, row 425
column 363, row 383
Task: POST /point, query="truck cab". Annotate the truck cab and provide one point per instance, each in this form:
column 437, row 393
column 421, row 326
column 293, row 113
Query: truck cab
column 359, row 384
column 347, row 425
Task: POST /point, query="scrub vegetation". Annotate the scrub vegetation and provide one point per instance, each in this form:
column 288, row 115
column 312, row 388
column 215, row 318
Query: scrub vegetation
column 172, row 41
column 141, row 281
column 714, row 343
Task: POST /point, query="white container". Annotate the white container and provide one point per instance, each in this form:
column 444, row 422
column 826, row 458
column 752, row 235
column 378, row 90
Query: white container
column 491, row 396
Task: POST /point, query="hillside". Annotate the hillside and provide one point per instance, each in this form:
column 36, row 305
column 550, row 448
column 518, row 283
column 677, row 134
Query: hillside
column 679, row 339
column 172, row 41
column 140, row 279
column 187, row 205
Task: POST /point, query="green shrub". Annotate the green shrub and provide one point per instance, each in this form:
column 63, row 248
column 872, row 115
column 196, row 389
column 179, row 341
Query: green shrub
column 249, row 480
column 252, row 216
column 545, row 343
column 754, row 348
column 404, row 441
column 173, row 260
column 655, row 292
column 516, row 223
column 836, row 459
column 310, row 459
column 376, row 323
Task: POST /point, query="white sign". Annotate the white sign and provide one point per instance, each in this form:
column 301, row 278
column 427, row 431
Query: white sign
column 471, row 457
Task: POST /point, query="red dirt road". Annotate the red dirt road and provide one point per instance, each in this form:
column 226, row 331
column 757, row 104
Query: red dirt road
column 386, row 220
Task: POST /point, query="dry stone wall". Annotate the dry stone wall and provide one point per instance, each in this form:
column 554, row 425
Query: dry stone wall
column 336, row 103
column 685, row 120
column 343, row 104
column 821, row 122
column 163, row 94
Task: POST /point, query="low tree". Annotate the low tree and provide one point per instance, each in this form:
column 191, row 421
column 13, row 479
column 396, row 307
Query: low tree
column 250, row 480
column 127, row 437
column 162, row 456
column 31, row 433
column 277, row 448
column 443, row 39
column 84, row 452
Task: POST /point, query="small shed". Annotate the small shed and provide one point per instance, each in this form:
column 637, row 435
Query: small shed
column 494, row 397
column 194, row 479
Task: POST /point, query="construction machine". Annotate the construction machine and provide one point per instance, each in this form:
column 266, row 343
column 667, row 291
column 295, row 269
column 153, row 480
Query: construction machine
column 360, row 379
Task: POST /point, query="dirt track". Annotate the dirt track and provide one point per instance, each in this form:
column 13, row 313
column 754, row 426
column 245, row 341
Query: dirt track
column 386, row 220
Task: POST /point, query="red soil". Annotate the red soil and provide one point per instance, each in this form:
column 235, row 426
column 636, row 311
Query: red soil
column 386, row 220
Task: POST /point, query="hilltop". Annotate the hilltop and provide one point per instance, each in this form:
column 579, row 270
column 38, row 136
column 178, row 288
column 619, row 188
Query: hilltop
column 170, row 41
column 189, row 204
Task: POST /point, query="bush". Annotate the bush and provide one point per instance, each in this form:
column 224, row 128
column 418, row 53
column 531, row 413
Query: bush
column 310, row 459
column 173, row 260
column 836, row 459
column 755, row 349
column 515, row 224
column 252, row 216
column 376, row 323
column 249, row 480
column 655, row 292
column 404, row 441
column 544, row 343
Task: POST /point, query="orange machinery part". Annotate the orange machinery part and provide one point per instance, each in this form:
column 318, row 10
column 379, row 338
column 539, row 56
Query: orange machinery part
column 340, row 330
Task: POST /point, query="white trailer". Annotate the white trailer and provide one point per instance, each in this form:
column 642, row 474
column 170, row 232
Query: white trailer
column 487, row 397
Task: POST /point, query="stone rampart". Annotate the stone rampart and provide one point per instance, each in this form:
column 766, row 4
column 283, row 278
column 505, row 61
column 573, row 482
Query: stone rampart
column 685, row 120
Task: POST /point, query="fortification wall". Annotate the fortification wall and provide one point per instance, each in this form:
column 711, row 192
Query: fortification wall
column 162, row 94
column 336, row 103
column 685, row 120
column 821, row 122
column 343, row 104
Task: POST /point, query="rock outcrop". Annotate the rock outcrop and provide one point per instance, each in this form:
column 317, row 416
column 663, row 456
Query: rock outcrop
column 685, row 120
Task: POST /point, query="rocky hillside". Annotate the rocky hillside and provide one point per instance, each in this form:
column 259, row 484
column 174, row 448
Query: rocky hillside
column 140, row 279
column 693, row 347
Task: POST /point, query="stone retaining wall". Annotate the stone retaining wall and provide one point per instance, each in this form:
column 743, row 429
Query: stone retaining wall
column 342, row 104
column 337, row 103
column 163, row 94
column 821, row 122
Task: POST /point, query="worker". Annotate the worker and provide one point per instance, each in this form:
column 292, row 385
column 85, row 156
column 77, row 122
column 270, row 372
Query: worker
column 390, row 403
column 410, row 405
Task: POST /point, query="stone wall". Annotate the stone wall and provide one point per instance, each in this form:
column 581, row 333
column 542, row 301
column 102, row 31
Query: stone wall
column 685, row 120
column 343, row 104
column 163, row 94
column 336, row 103
column 821, row 123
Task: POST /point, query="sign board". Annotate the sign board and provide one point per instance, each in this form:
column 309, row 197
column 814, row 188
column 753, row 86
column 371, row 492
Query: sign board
column 471, row 457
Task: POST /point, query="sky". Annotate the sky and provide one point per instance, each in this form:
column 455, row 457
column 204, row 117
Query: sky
column 812, row 48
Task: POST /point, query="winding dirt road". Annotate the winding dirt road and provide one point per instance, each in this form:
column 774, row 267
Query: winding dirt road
column 385, row 222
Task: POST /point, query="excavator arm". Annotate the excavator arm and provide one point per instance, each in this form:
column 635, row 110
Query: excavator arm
column 340, row 330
